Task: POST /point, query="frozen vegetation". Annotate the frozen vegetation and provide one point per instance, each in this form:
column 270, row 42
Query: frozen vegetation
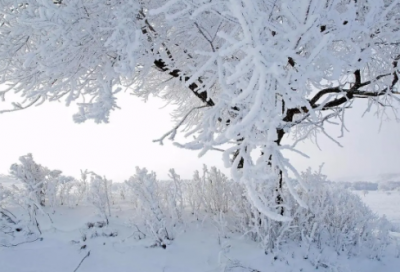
column 54, row 223
column 245, row 77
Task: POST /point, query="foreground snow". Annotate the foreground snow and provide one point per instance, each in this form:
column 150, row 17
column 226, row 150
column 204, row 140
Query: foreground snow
column 199, row 248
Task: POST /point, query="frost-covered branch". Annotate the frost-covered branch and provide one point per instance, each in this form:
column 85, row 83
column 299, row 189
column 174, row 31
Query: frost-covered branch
column 18, row 106
column 172, row 132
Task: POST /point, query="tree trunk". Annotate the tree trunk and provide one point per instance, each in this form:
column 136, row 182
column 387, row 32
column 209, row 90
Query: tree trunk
column 279, row 199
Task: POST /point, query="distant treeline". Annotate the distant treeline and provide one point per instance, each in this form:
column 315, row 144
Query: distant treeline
column 371, row 186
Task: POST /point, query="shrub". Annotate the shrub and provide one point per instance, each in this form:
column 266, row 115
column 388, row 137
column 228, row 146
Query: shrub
column 159, row 206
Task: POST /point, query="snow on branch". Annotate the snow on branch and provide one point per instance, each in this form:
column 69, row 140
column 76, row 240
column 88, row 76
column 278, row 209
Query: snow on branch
column 172, row 132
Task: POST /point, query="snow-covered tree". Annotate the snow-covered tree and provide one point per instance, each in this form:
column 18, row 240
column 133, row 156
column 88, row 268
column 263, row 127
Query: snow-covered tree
column 100, row 193
column 212, row 189
column 38, row 182
column 33, row 176
column 158, row 207
column 65, row 186
column 242, row 73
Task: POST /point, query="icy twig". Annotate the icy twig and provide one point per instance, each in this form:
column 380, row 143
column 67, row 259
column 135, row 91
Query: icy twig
column 87, row 255
column 173, row 131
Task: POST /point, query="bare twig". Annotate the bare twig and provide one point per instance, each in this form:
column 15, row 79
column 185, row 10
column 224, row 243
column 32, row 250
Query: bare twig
column 14, row 245
column 173, row 131
column 205, row 37
column 87, row 255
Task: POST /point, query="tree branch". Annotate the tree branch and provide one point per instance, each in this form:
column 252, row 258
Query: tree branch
column 18, row 107
column 176, row 73
column 173, row 131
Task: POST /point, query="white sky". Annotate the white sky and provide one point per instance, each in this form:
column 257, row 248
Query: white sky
column 114, row 149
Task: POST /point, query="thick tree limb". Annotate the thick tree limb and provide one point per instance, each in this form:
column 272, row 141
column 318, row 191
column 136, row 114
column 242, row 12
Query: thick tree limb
column 161, row 65
column 176, row 73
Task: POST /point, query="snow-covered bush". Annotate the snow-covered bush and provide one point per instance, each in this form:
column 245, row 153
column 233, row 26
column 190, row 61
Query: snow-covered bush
column 51, row 186
column 32, row 175
column 158, row 205
column 215, row 191
column 15, row 228
column 81, row 190
column 243, row 74
column 67, row 196
column 8, row 221
column 192, row 195
column 338, row 220
column 119, row 191
column 18, row 216
column 73, row 192
column 36, row 179
column 99, row 193
column 173, row 198
column 335, row 220
column 45, row 186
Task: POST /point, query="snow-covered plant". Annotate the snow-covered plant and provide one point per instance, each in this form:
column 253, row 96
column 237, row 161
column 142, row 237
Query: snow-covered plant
column 192, row 195
column 339, row 220
column 8, row 220
column 13, row 229
column 159, row 215
column 51, row 188
column 266, row 69
column 214, row 191
column 5, row 194
column 336, row 221
column 70, row 191
column 81, row 190
column 119, row 190
column 243, row 74
column 28, row 201
column 33, row 177
column 99, row 193
column 173, row 197
column 246, row 82
column 57, row 187
column 45, row 185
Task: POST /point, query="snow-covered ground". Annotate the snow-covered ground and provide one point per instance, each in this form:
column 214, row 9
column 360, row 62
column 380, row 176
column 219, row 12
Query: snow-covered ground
column 70, row 239
column 198, row 247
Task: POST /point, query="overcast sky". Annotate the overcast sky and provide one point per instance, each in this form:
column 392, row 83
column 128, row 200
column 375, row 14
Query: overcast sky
column 114, row 149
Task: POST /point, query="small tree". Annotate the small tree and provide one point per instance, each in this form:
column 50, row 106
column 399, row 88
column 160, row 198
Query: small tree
column 159, row 206
column 100, row 193
column 65, row 186
column 33, row 176
column 214, row 190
